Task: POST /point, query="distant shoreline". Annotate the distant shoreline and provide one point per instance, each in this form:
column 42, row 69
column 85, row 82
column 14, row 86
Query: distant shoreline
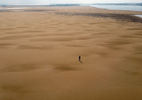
column 5, row 5
column 120, row 7
column 127, row 17
column 139, row 4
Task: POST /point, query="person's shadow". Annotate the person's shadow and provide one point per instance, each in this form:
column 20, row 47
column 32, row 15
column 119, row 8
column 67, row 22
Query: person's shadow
column 81, row 61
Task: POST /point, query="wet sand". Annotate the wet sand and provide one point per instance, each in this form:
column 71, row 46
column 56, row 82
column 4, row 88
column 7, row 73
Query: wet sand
column 39, row 50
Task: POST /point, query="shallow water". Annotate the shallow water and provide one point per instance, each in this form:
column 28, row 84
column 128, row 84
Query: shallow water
column 139, row 16
column 119, row 7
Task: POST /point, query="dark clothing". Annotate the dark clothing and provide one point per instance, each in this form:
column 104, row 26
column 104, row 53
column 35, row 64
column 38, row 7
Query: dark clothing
column 79, row 58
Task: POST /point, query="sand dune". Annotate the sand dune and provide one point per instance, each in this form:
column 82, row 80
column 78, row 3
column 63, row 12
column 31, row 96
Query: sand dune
column 39, row 53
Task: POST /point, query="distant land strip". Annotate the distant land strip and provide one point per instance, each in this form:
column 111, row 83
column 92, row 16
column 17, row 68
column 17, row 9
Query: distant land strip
column 26, row 10
column 132, row 4
column 40, row 5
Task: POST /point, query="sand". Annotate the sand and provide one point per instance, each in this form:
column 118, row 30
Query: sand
column 39, row 53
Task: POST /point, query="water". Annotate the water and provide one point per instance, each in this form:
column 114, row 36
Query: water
column 13, row 8
column 120, row 7
column 139, row 16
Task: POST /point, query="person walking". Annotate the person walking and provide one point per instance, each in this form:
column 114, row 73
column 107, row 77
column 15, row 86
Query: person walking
column 79, row 58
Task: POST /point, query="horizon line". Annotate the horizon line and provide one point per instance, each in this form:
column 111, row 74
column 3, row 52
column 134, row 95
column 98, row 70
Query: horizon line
column 73, row 3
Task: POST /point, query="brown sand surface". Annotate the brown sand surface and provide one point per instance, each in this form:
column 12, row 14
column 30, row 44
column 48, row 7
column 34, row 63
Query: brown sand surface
column 39, row 53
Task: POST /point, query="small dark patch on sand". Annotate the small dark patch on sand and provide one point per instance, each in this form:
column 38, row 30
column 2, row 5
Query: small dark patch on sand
column 134, row 58
column 101, row 34
column 102, row 54
column 134, row 29
column 129, row 66
column 15, row 37
column 12, row 88
column 35, row 47
column 28, row 31
column 19, row 68
column 117, row 43
column 139, row 33
column 127, row 36
column 74, row 46
column 33, row 31
column 14, row 92
column 138, row 49
column 65, row 68
column 10, row 29
column 54, row 39
column 130, row 72
column 4, row 45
